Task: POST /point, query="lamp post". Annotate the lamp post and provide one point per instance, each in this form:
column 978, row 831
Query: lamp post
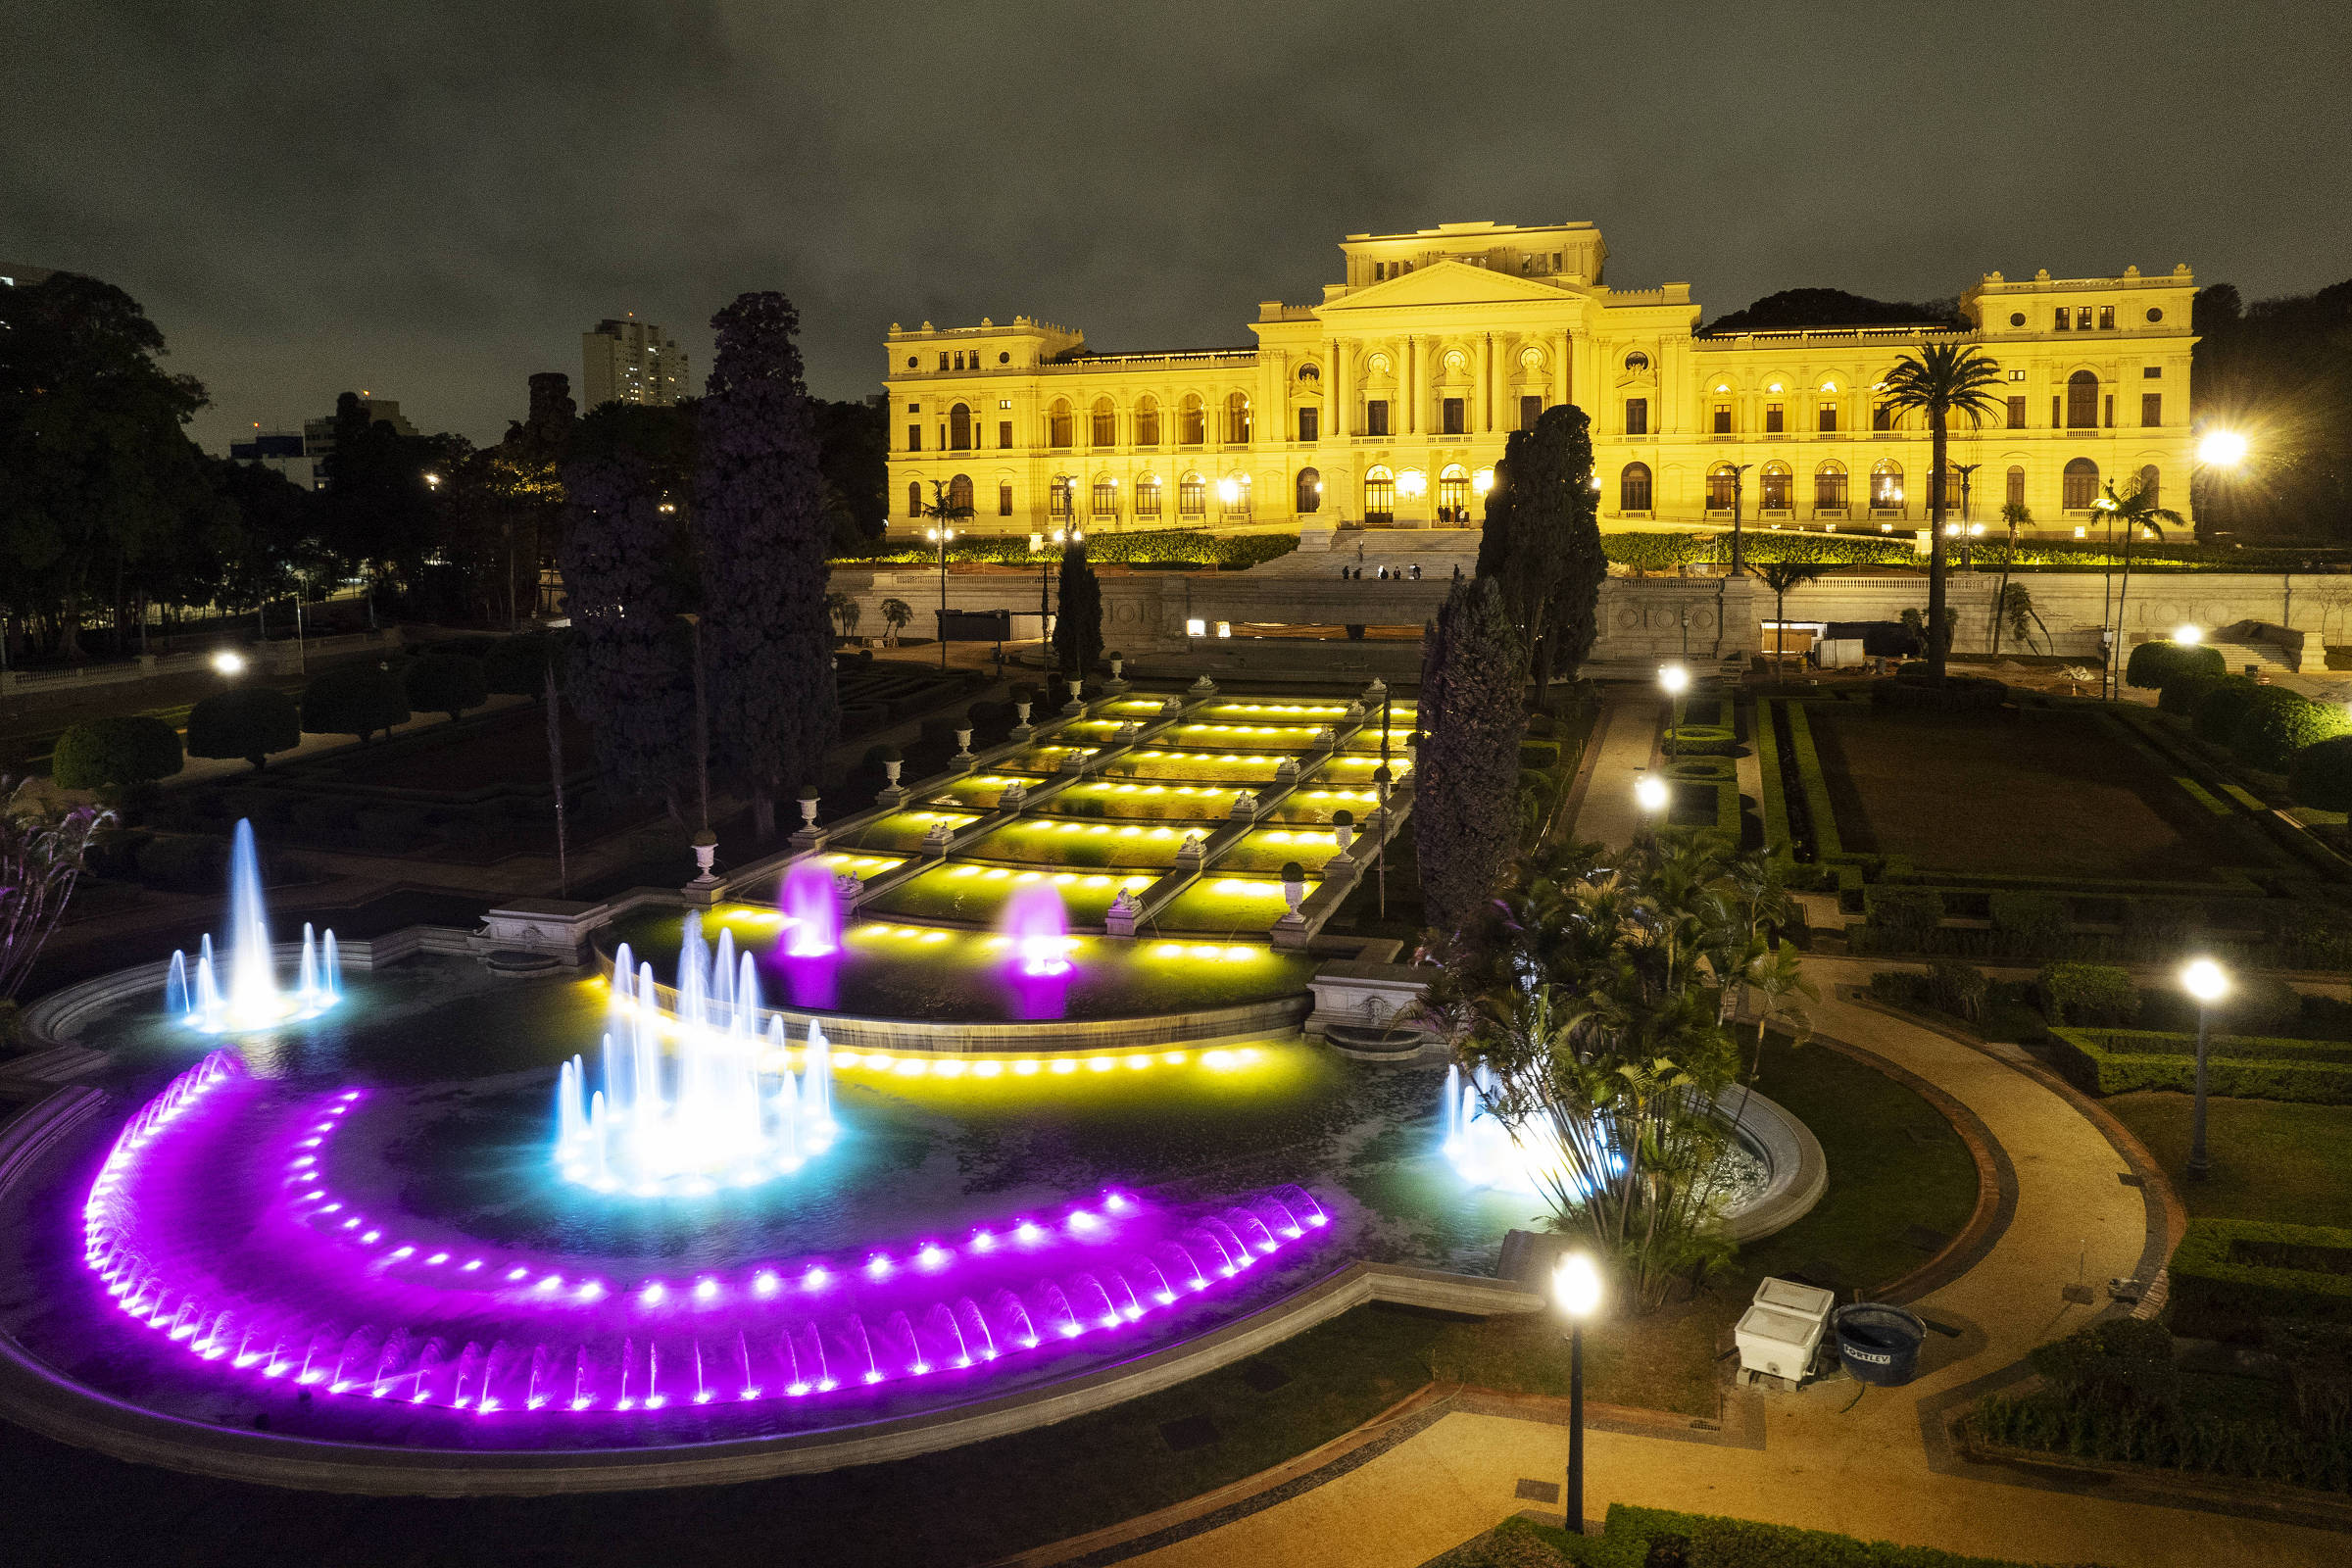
column 942, row 536
column 1676, row 680
column 1575, row 1287
column 1380, row 853
column 2204, row 980
column 1062, row 539
column 1739, row 494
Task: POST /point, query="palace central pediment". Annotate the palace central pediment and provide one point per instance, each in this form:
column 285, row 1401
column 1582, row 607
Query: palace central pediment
column 1449, row 283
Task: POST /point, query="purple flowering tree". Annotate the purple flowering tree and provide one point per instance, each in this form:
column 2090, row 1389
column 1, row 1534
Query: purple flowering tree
column 763, row 539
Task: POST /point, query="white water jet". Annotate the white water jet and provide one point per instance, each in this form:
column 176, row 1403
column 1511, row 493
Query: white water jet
column 252, row 998
column 695, row 1097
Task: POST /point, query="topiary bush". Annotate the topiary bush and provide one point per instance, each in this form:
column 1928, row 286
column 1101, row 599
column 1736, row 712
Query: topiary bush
column 2029, row 920
column 2180, row 694
column 2094, row 994
column 1701, row 740
column 115, row 752
column 2277, row 724
column 1904, row 918
column 516, row 666
column 446, row 683
column 247, row 722
column 2219, row 709
column 2320, row 775
column 1956, row 988
column 353, row 700
column 1539, row 754
column 2152, row 663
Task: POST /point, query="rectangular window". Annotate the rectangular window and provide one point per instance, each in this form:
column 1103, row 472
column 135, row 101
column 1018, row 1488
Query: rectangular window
column 1106, row 424
column 1376, row 416
column 1004, row 500
column 2106, row 317
column 914, row 438
column 1005, row 435
column 943, row 359
column 1310, row 424
column 2054, row 419
column 1829, row 419
column 2150, row 373
column 1723, row 418
column 2082, row 319
column 1452, row 413
column 1531, row 408
column 1637, row 416
column 2109, row 411
column 2017, row 487
column 2063, row 319
column 2017, row 414
column 1773, row 423
column 2151, row 408
column 1882, row 418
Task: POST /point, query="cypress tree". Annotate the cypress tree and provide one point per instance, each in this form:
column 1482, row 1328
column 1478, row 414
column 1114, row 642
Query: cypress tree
column 768, row 640
column 1465, row 817
column 629, row 672
column 1078, row 622
column 1553, row 557
column 1494, row 537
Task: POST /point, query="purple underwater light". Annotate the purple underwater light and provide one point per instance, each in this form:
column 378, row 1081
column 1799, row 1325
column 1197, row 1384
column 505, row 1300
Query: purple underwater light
column 316, row 1291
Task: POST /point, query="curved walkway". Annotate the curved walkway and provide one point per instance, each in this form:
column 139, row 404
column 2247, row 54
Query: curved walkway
column 1869, row 1462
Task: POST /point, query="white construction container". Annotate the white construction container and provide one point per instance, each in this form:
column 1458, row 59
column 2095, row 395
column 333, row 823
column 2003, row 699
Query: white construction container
column 1780, row 1331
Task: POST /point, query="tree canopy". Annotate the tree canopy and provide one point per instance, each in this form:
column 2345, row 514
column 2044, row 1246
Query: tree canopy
column 1795, row 309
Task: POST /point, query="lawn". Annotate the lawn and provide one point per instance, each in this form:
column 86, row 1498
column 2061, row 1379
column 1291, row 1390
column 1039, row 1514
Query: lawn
column 2271, row 1159
column 2072, row 796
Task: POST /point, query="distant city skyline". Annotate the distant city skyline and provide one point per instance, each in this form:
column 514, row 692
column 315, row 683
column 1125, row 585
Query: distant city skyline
column 436, row 206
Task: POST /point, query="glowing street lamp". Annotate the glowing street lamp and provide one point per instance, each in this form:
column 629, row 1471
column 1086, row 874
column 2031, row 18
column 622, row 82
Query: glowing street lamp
column 1676, row 680
column 1650, row 792
column 1575, row 1287
column 2188, row 636
column 229, row 664
column 2206, row 981
column 2222, row 449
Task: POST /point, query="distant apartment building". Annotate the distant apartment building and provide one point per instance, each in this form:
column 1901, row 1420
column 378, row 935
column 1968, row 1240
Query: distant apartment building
column 11, row 277
column 318, row 436
column 630, row 361
column 288, row 452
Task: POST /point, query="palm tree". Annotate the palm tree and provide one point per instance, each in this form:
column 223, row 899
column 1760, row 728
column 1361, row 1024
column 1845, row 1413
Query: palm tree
column 1780, row 577
column 1940, row 380
column 2013, row 514
column 2136, row 508
column 2014, row 610
column 895, row 614
column 845, row 611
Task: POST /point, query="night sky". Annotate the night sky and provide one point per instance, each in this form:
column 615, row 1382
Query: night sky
column 432, row 200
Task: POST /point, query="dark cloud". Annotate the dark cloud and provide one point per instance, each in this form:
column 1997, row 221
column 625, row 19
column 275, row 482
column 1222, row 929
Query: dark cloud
column 432, row 200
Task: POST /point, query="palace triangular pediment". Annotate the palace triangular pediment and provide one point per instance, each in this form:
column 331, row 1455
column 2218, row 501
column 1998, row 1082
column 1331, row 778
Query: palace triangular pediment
column 1449, row 284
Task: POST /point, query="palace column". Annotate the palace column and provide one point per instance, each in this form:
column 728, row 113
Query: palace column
column 1560, row 370
column 1334, row 381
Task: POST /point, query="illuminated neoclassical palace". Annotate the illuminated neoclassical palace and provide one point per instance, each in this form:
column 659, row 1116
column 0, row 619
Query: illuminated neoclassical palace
column 1388, row 401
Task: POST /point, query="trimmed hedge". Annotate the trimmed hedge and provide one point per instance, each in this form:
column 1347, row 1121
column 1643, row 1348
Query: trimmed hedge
column 1541, row 754
column 2088, row 993
column 1161, row 547
column 516, row 666
column 2277, row 724
column 2154, row 664
column 113, row 753
column 1638, row 1538
column 247, row 722
column 2228, row 1271
column 2219, row 709
column 1959, row 694
column 1903, row 915
column 2181, row 693
column 2320, row 774
column 353, row 700
column 1701, row 740
column 2118, row 1061
column 446, row 683
column 2032, row 920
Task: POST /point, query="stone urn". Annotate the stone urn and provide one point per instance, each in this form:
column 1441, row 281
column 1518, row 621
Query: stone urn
column 706, row 854
column 1024, row 698
column 1118, row 670
column 964, row 747
column 1294, row 892
column 892, row 791
column 1343, row 832
column 808, row 799
column 1076, row 703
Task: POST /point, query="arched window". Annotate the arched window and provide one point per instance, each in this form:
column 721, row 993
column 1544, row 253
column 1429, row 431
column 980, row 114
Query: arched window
column 1887, row 486
column 1233, row 494
column 1954, row 486
column 914, row 498
column 2016, row 493
column 1106, row 496
column 1057, row 423
column 1237, row 419
column 1147, row 495
column 1192, row 421
column 1722, row 485
column 1632, row 488
column 1309, row 372
column 1828, row 487
column 1776, row 487
column 1310, row 491
column 1379, row 495
column 959, row 492
column 1058, row 497
column 2149, row 487
column 1146, row 422
column 1453, row 494
column 1191, row 495
column 2081, row 485
column 2082, row 400
column 960, row 428
column 1106, row 423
